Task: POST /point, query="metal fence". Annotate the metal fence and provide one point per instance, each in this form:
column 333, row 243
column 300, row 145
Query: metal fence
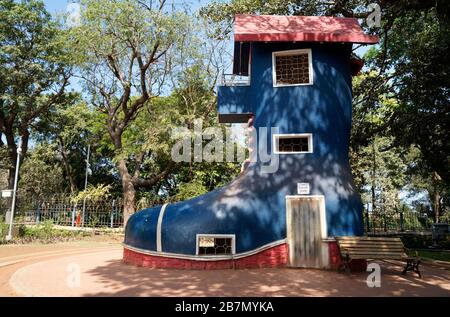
column 394, row 219
column 65, row 212
column 61, row 210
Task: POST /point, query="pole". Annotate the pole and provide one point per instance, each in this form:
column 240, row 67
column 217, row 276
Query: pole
column 13, row 204
column 367, row 219
column 74, row 209
column 86, row 180
column 38, row 215
column 113, row 210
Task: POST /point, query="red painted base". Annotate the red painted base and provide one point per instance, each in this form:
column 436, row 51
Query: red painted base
column 334, row 255
column 273, row 257
column 336, row 259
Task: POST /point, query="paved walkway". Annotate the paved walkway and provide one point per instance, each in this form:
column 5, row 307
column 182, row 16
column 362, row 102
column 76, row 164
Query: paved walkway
column 99, row 271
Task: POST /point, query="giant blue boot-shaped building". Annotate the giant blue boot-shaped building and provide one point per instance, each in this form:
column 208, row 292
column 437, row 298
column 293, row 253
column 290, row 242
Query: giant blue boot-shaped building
column 298, row 87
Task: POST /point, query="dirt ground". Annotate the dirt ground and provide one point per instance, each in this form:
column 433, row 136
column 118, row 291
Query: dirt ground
column 93, row 267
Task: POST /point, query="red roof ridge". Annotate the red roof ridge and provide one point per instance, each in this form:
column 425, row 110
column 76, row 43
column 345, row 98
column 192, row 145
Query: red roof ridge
column 281, row 28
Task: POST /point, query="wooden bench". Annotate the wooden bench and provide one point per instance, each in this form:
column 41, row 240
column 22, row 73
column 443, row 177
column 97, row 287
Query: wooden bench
column 376, row 248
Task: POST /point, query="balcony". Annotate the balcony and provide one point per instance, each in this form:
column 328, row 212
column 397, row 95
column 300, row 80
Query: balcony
column 235, row 80
column 234, row 102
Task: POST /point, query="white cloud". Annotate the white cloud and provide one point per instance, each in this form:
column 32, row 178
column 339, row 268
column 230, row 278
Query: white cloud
column 74, row 15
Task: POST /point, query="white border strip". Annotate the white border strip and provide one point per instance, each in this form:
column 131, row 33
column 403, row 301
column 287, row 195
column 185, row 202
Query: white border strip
column 159, row 228
column 206, row 257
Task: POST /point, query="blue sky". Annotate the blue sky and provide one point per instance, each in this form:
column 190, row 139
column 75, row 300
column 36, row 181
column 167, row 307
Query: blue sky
column 55, row 6
column 58, row 6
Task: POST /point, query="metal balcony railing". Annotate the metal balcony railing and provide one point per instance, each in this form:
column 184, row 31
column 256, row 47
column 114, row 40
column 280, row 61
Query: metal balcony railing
column 235, row 80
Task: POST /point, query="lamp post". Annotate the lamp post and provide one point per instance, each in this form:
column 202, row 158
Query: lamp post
column 13, row 204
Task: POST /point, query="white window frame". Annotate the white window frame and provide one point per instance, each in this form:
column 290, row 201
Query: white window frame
column 292, row 52
column 276, row 137
column 233, row 243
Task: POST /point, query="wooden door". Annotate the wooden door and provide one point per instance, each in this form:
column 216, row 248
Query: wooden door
column 304, row 232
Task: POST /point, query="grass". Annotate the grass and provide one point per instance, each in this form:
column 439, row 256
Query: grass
column 435, row 255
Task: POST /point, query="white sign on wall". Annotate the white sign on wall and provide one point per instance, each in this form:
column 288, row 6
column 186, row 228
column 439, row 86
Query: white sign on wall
column 303, row 188
column 7, row 193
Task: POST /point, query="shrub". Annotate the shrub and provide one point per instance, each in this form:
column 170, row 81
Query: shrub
column 21, row 231
column 3, row 230
column 417, row 241
column 44, row 232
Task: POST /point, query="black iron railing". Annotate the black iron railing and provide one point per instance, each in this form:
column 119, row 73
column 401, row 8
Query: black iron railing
column 63, row 211
column 395, row 219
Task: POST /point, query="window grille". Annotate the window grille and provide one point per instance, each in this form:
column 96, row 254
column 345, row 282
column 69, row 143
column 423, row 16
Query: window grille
column 292, row 68
column 291, row 143
column 211, row 245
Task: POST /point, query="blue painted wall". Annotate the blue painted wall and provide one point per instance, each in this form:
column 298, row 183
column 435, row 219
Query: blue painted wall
column 253, row 205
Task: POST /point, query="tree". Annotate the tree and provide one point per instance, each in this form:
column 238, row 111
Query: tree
column 34, row 72
column 126, row 52
column 70, row 129
column 412, row 68
column 419, row 181
column 40, row 175
column 380, row 172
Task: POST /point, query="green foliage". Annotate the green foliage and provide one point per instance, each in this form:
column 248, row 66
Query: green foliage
column 34, row 72
column 93, row 222
column 424, row 95
column 128, row 53
column 3, row 175
column 44, row 232
column 411, row 72
column 200, row 178
column 3, row 230
column 381, row 167
column 414, row 241
column 93, row 193
column 190, row 190
column 435, row 255
column 40, row 176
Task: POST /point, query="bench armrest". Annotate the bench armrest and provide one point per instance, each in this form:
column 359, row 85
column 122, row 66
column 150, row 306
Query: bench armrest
column 345, row 254
column 410, row 251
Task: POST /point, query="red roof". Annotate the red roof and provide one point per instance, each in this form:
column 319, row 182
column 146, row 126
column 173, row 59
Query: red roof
column 276, row 28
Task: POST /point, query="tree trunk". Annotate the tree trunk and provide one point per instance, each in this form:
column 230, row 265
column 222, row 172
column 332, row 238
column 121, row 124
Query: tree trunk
column 11, row 177
column 67, row 167
column 436, row 196
column 12, row 149
column 128, row 191
column 73, row 184
column 373, row 176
